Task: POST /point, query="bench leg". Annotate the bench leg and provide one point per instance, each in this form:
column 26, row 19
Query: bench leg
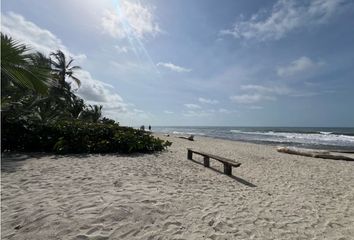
column 189, row 154
column 206, row 161
column 227, row 169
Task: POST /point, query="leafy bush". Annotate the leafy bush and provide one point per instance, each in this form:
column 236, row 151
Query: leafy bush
column 77, row 137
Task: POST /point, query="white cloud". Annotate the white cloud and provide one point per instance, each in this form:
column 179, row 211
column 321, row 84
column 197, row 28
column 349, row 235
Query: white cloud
column 100, row 93
column 168, row 112
column 266, row 90
column 198, row 113
column 208, row 101
column 305, row 94
column 173, row 67
column 129, row 66
column 37, row 38
column 206, row 112
column 223, row 110
column 130, row 19
column 285, row 16
column 251, row 98
column 259, row 93
column 122, row 49
column 301, row 65
column 192, row 106
column 255, row 107
column 97, row 92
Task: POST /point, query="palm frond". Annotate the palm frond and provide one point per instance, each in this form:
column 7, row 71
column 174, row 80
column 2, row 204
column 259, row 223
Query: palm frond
column 68, row 64
column 77, row 81
column 18, row 67
column 74, row 68
column 61, row 68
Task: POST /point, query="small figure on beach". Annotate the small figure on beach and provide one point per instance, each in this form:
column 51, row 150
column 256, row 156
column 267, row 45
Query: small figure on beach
column 150, row 128
column 142, row 128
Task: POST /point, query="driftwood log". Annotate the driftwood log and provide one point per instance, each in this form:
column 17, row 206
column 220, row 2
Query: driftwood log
column 190, row 138
column 313, row 153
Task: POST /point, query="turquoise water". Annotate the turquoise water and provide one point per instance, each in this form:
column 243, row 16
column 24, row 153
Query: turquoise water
column 308, row 137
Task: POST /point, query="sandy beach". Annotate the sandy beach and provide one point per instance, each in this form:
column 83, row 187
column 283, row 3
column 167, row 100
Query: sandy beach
column 165, row 196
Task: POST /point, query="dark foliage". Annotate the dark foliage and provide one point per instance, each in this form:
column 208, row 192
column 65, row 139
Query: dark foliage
column 77, row 137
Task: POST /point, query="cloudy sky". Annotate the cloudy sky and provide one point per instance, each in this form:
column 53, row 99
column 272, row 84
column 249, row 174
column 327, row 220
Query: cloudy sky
column 202, row 62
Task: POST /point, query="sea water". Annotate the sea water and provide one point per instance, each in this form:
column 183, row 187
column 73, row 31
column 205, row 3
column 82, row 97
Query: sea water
column 308, row 137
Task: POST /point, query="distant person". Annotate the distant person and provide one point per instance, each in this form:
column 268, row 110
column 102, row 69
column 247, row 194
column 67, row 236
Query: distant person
column 150, row 128
column 142, row 128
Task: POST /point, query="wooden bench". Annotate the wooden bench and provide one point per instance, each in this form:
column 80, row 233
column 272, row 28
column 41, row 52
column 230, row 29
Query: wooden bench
column 228, row 163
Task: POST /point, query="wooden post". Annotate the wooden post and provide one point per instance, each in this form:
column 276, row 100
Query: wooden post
column 206, row 161
column 189, row 154
column 227, row 169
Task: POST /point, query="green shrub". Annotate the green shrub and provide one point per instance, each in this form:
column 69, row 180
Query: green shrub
column 77, row 137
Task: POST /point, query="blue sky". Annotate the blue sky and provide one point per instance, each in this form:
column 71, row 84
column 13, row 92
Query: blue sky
column 202, row 62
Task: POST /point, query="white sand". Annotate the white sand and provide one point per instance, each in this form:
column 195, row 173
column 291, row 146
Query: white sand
column 166, row 196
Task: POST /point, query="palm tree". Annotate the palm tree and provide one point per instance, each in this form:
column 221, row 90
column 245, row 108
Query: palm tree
column 62, row 69
column 41, row 60
column 92, row 113
column 96, row 113
column 19, row 68
column 76, row 106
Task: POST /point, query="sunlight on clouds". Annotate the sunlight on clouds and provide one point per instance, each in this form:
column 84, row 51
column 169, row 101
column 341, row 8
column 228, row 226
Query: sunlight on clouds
column 130, row 19
column 122, row 49
column 133, row 22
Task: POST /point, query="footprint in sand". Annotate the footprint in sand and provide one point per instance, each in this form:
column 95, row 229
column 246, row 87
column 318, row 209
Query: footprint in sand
column 209, row 215
column 132, row 232
column 96, row 237
column 167, row 225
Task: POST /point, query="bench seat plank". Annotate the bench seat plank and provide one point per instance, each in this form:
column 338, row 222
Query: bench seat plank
column 221, row 159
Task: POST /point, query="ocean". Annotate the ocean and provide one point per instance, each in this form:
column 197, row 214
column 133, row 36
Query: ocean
column 306, row 137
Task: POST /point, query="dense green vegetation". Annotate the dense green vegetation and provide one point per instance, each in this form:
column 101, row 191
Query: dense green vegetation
column 41, row 112
column 77, row 136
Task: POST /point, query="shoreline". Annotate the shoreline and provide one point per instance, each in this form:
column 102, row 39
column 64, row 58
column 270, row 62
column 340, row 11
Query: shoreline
column 113, row 196
column 330, row 148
